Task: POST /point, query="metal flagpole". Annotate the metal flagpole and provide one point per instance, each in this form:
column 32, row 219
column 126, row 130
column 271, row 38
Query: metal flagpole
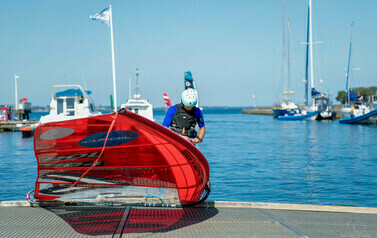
column 113, row 59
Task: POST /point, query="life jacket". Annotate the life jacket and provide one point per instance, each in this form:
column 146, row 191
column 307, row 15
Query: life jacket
column 184, row 119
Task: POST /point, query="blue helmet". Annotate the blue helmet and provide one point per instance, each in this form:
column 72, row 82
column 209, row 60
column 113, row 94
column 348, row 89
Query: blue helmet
column 189, row 97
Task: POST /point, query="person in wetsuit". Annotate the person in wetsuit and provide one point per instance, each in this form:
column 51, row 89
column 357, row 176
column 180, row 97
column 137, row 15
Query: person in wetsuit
column 183, row 117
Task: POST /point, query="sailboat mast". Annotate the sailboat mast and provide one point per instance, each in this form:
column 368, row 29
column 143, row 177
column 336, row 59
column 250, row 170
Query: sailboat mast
column 311, row 44
column 311, row 50
column 137, row 82
column 284, row 54
column 307, row 59
column 288, row 60
column 347, row 95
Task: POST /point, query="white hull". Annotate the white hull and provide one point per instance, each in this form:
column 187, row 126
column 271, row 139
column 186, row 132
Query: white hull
column 355, row 111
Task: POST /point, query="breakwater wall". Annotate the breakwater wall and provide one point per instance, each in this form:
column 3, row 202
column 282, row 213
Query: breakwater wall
column 258, row 110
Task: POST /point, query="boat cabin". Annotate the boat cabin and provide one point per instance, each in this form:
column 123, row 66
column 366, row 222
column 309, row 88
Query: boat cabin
column 322, row 102
column 69, row 102
column 139, row 106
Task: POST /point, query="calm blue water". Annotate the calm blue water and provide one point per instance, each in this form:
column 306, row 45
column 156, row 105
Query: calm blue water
column 253, row 158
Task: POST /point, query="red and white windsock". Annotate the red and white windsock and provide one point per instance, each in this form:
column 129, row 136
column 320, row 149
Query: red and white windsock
column 167, row 102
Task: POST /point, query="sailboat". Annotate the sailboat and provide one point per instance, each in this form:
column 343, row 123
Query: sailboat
column 356, row 110
column 319, row 100
column 298, row 114
column 189, row 83
column 287, row 107
column 137, row 104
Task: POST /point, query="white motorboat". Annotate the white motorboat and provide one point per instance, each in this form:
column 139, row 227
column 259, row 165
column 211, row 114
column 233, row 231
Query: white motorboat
column 69, row 102
column 137, row 104
column 355, row 110
column 359, row 113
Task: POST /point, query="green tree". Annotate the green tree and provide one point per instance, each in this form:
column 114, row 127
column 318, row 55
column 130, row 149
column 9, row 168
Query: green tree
column 361, row 91
column 340, row 96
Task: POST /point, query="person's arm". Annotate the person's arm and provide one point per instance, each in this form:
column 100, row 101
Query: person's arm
column 169, row 116
column 202, row 132
column 202, row 129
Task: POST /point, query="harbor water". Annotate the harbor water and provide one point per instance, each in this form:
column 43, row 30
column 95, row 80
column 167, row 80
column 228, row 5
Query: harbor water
column 253, row 158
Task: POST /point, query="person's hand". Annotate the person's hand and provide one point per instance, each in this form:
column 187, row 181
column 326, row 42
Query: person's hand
column 187, row 138
column 196, row 141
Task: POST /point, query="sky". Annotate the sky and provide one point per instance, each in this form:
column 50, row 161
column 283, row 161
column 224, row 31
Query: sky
column 232, row 47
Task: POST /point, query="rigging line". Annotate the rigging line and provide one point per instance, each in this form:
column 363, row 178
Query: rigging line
column 277, row 67
column 103, row 149
column 276, row 73
column 318, row 65
column 355, row 66
column 154, row 196
column 317, row 52
column 83, row 79
column 293, row 56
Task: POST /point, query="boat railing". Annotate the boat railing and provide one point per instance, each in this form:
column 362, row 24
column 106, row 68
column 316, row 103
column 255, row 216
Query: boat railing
column 372, row 100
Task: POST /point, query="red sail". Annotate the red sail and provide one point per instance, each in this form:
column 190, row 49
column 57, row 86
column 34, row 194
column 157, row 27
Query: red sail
column 74, row 163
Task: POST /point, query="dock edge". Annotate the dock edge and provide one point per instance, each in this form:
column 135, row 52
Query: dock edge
column 260, row 205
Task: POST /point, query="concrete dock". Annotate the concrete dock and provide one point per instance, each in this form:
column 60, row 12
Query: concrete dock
column 15, row 125
column 210, row 219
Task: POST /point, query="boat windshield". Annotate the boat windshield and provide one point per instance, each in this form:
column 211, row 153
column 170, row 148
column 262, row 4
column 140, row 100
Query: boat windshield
column 60, row 106
column 91, row 107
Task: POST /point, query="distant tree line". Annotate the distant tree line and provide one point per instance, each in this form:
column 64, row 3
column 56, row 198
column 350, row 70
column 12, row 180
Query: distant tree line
column 361, row 91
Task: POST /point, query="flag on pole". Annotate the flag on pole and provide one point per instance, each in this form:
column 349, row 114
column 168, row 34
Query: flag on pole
column 103, row 16
column 106, row 16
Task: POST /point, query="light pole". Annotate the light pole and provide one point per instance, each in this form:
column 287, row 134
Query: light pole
column 15, row 88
